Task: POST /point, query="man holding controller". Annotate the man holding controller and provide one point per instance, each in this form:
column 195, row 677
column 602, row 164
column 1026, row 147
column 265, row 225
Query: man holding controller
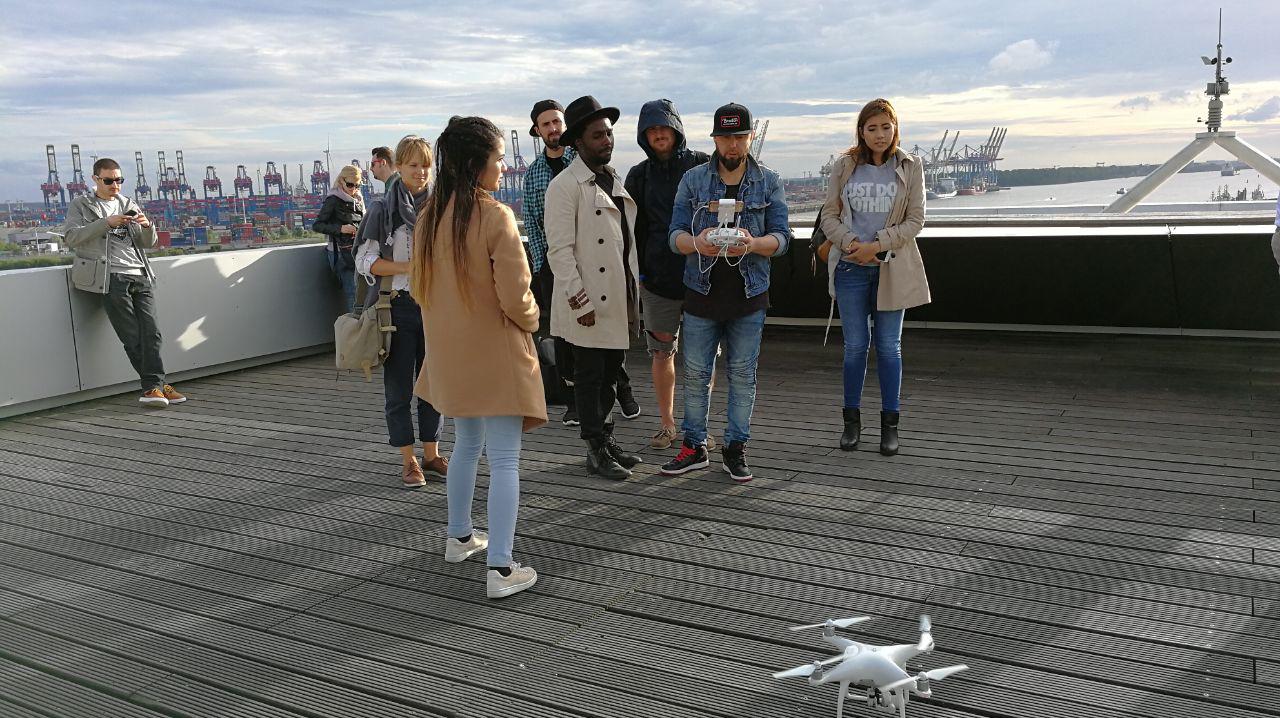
column 729, row 219
column 109, row 232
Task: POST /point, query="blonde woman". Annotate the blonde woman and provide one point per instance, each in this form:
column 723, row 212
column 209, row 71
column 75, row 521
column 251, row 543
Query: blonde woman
column 873, row 212
column 387, row 253
column 471, row 277
column 339, row 219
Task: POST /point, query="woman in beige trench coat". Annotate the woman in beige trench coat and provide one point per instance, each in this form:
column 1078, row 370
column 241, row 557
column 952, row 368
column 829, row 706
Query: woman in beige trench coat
column 471, row 278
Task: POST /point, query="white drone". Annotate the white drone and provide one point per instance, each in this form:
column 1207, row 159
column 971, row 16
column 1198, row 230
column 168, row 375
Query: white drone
column 880, row 669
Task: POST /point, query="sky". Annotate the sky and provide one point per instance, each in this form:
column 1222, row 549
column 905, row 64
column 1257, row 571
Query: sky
column 1076, row 83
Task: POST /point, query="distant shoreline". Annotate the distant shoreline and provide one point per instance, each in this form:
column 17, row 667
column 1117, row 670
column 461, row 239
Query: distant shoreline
column 1067, row 175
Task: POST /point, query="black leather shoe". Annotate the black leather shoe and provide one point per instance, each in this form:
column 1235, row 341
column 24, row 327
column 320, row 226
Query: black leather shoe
column 627, row 461
column 889, row 433
column 852, row 429
column 601, row 463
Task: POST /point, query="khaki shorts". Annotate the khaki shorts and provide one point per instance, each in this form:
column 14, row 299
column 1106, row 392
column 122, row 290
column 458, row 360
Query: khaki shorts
column 660, row 315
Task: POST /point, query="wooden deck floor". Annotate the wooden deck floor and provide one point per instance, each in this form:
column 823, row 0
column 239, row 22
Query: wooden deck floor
column 1093, row 523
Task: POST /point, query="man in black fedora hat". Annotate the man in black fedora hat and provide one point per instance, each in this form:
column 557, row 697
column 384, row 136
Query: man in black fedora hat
column 590, row 224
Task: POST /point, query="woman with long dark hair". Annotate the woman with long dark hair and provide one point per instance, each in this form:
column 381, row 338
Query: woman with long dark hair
column 386, row 253
column 471, row 278
column 873, row 212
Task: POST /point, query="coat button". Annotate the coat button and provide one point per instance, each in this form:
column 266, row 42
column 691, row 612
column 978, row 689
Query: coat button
column 602, row 269
column 597, row 211
column 601, row 240
column 602, row 297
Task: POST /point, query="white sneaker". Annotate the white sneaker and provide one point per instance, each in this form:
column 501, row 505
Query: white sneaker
column 499, row 586
column 455, row 551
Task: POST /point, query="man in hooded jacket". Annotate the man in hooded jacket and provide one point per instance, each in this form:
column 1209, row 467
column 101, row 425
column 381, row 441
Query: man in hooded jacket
column 653, row 184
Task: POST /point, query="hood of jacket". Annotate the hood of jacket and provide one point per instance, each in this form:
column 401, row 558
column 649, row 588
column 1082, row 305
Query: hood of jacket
column 659, row 113
column 357, row 201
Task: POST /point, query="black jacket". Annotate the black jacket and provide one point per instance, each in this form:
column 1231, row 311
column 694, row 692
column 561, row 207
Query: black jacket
column 334, row 213
column 653, row 184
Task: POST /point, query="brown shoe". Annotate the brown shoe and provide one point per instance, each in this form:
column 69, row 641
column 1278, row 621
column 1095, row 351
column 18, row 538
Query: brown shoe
column 153, row 397
column 413, row 475
column 438, row 467
column 172, row 394
column 663, row 439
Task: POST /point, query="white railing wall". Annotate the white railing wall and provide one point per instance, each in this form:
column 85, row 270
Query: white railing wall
column 217, row 311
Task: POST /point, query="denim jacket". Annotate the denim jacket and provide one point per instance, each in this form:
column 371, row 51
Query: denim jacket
column 764, row 212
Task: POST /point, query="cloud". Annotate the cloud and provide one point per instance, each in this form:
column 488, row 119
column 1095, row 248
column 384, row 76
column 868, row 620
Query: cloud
column 1266, row 111
column 1141, row 102
column 1179, row 96
column 1023, row 56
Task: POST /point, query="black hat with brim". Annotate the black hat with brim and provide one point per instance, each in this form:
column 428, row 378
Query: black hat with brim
column 582, row 112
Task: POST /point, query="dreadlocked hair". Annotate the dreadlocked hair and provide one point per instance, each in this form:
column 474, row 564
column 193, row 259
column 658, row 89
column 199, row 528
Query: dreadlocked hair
column 462, row 153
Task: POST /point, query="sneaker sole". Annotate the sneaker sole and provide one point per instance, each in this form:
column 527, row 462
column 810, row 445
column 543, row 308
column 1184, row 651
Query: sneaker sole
column 408, row 485
column 739, row 479
column 154, row 402
column 183, row 400
column 509, row 590
column 685, row 470
column 625, row 415
column 459, row 559
column 572, row 422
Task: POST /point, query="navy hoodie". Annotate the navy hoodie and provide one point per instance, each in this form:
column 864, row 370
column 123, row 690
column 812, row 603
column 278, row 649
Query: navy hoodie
column 653, row 184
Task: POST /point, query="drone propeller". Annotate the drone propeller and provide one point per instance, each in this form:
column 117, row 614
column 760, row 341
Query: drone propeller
column 833, row 623
column 808, row 669
column 926, row 634
column 923, row 678
column 938, row 674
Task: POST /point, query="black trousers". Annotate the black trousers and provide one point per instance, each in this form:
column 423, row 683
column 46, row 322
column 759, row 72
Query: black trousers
column 595, row 389
column 400, row 372
column 130, row 302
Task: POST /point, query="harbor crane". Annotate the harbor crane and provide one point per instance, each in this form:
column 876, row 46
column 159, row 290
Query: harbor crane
column 77, row 187
column 52, row 189
column 141, row 190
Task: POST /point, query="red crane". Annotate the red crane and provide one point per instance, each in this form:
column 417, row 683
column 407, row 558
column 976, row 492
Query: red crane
column 77, row 186
column 52, row 188
column 319, row 179
column 168, row 180
column 211, row 181
column 141, row 190
column 243, row 183
column 272, row 179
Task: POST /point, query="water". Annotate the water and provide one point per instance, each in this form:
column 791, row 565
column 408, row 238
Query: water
column 1187, row 187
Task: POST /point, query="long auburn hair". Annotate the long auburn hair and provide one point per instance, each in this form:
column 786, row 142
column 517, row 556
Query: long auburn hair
column 879, row 106
column 462, row 153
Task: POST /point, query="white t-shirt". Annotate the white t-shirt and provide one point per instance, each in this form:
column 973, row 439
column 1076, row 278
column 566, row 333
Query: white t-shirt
column 401, row 251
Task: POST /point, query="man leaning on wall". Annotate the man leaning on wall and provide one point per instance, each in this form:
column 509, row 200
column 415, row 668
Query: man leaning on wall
column 108, row 232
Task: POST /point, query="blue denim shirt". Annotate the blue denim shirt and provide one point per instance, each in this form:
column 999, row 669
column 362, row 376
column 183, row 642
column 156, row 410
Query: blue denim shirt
column 764, row 212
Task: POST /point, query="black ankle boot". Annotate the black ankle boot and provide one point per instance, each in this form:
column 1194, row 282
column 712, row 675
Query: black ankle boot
column 601, row 463
column 852, row 429
column 889, row 433
column 625, row 460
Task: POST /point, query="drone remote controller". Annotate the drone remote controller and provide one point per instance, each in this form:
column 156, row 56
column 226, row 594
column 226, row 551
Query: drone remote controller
column 725, row 237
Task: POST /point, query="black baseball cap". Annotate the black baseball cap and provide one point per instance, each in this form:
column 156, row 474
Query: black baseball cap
column 731, row 119
column 540, row 107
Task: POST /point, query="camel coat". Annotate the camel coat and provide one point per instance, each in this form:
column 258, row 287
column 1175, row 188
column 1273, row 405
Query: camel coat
column 585, row 250
column 480, row 356
column 903, row 283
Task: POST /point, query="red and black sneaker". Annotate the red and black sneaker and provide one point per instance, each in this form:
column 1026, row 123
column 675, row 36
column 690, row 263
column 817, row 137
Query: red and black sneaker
column 689, row 458
column 735, row 461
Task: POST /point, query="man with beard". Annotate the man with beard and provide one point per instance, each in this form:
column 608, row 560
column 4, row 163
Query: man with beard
column 653, row 184
column 590, row 222
column 726, row 284
column 547, row 117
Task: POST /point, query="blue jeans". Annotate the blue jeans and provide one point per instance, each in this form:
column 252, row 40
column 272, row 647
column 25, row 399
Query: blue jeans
column 856, row 288
column 699, row 338
column 400, row 371
column 346, row 277
column 501, row 434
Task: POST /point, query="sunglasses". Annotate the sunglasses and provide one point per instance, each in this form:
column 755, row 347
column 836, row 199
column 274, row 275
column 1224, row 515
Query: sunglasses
column 350, row 185
column 112, row 180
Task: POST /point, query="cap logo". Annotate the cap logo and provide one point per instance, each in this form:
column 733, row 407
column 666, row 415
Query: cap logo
column 730, row 121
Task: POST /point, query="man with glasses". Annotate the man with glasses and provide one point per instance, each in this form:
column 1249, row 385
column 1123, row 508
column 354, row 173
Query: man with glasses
column 108, row 232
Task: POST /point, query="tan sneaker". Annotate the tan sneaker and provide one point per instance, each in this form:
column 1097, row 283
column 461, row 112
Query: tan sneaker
column 456, row 551
column 499, row 586
column 664, row 437
column 153, row 397
column 438, row 467
column 172, row 394
column 413, row 475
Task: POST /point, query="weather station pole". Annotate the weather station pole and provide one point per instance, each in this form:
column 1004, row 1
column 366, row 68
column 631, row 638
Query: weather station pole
column 1242, row 150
